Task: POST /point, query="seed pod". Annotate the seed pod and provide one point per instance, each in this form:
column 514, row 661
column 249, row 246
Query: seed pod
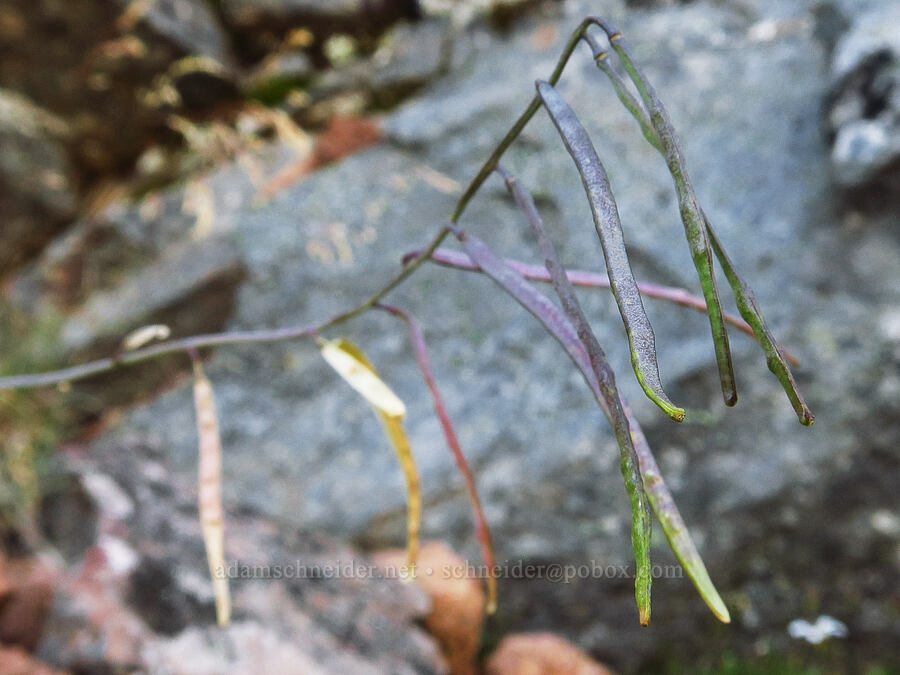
column 212, row 514
column 359, row 374
column 691, row 214
column 672, row 523
column 352, row 365
column 778, row 359
column 141, row 336
column 609, row 229
column 599, row 376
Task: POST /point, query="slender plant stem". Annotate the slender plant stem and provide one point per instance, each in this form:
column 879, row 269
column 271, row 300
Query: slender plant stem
column 491, row 162
column 482, row 530
column 91, row 368
column 246, row 337
column 407, row 270
column 628, row 100
column 195, row 342
column 570, row 329
column 460, row 261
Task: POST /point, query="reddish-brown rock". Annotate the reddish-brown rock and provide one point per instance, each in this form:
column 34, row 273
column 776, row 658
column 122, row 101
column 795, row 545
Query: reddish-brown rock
column 26, row 593
column 457, row 602
column 541, row 654
column 16, row 661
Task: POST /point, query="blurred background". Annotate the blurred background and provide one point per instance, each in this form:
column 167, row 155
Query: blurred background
column 232, row 164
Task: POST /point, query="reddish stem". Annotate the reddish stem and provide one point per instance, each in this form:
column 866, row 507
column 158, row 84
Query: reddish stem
column 679, row 296
column 482, row 529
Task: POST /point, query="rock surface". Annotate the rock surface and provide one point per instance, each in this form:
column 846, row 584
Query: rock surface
column 409, row 56
column 863, row 110
column 541, row 654
column 139, row 597
column 744, row 87
column 457, row 601
column 37, row 195
column 16, row 661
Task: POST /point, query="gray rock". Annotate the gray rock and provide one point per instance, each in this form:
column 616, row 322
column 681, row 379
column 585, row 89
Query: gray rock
column 409, row 56
column 470, row 11
column 785, row 516
column 37, row 196
column 139, row 597
column 190, row 289
column 101, row 251
column 862, row 149
column 863, row 106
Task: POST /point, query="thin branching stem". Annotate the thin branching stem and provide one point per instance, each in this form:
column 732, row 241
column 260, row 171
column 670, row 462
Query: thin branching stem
column 599, row 372
column 410, row 267
column 491, row 163
column 601, row 58
column 482, row 530
column 642, row 477
column 127, row 358
column 457, row 260
column 100, row 366
column 640, row 514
